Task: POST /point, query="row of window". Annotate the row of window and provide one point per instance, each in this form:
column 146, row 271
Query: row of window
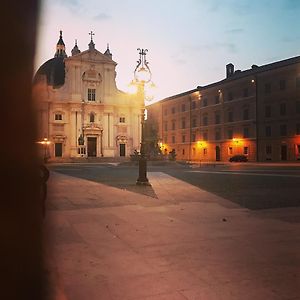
column 268, row 150
column 91, row 96
column 204, row 102
column 230, row 116
column 282, row 130
column 229, row 96
column 282, row 85
column 205, row 136
column 217, row 120
column 230, row 151
column 246, row 133
column 268, row 110
column 282, row 109
column 229, row 133
column 59, row 117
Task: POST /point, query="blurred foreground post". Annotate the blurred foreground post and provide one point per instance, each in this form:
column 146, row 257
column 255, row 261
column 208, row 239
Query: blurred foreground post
column 21, row 259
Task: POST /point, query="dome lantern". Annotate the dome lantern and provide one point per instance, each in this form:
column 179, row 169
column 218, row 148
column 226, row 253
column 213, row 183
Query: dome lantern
column 107, row 52
column 60, row 47
column 91, row 44
column 75, row 49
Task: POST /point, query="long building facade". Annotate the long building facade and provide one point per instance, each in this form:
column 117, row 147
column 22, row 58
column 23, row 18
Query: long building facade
column 81, row 113
column 255, row 113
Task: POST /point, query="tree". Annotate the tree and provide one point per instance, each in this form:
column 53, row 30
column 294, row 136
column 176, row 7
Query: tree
column 152, row 148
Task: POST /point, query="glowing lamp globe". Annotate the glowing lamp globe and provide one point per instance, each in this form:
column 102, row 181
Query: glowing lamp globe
column 143, row 75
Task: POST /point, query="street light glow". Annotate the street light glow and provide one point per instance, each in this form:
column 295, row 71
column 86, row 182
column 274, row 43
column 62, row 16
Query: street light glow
column 132, row 87
column 202, row 143
column 143, row 74
column 45, row 141
column 237, row 141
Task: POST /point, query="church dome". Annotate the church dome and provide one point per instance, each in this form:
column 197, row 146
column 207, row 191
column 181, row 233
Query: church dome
column 54, row 70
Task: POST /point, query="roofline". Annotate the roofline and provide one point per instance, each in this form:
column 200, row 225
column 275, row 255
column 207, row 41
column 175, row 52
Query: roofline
column 254, row 71
column 109, row 60
column 178, row 95
column 248, row 72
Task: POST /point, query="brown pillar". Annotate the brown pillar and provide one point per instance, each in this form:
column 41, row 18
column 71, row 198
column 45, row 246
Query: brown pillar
column 21, row 216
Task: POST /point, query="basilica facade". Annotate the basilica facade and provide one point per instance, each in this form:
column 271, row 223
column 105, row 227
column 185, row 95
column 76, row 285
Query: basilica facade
column 81, row 112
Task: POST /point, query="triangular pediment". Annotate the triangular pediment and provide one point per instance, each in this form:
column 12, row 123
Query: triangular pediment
column 92, row 56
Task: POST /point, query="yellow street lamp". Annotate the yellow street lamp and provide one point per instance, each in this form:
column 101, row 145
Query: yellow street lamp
column 237, row 141
column 202, row 143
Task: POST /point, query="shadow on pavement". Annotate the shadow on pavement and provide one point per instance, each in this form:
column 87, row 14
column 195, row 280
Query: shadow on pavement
column 118, row 177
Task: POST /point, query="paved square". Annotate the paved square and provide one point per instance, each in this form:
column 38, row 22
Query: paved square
column 186, row 243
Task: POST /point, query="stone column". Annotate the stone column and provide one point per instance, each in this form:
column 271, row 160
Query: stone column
column 105, row 130
column 111, row 130
column 72, row 126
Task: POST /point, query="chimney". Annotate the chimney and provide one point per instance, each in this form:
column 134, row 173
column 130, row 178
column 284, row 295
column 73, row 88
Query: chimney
column 229, row 70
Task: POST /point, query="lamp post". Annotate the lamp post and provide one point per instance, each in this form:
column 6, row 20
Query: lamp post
column 101, row 145
column 142, row 76
column 45, row 142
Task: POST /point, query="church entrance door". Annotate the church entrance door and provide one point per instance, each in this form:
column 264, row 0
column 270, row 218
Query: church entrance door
column 122, row 149
column 92, row 146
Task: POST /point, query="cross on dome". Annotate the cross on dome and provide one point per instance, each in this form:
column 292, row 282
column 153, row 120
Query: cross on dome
column 91, row 34
column 91, row 44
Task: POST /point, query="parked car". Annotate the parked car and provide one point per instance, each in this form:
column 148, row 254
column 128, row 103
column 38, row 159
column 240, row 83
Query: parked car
column 238, row 158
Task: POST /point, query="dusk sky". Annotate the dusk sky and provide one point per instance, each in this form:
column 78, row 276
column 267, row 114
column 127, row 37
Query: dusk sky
column 189, row 42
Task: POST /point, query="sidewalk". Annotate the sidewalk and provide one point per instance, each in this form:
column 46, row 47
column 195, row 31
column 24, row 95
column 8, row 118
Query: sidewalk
column 247, row 164
column 185, row 243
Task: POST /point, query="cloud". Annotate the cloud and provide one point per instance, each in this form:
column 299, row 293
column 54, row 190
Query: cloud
column 230, row 47
column 102, row 17
column 68, row 3
column 200, row 49
column 289, row 39
column 214, row 46
column 72, row 6
column 241, row 8
column 238, row 7
column 291, row 4
column 72, row 2
column 179, row 57
column 214, row 5
column 180, row 61
column 234, row 31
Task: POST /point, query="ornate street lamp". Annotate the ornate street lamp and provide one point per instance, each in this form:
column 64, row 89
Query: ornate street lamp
column 142, row 76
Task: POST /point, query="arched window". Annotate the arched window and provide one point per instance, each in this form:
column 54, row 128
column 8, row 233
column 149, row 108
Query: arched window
column 92, row 117
column 58, row 116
